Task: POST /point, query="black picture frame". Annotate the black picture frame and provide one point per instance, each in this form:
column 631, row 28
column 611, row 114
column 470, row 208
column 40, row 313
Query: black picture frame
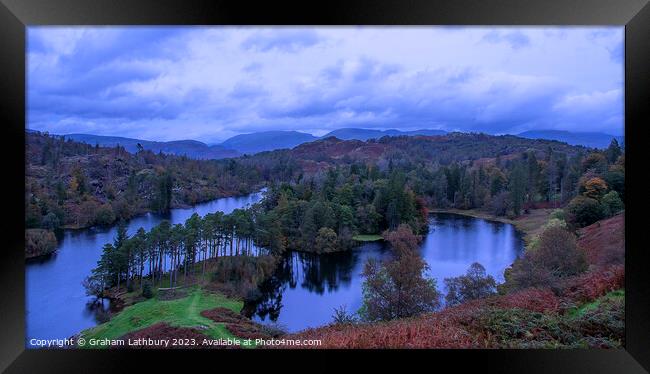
column 16, row 15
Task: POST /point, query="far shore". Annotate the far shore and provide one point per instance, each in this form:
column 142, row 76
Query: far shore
column 529, row 224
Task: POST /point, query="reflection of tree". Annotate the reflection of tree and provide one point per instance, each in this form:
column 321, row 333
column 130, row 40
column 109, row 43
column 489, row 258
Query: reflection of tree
column 99, row 308
column 314, row 273
column 327, row 272
column 496, row 226
column 270, row 302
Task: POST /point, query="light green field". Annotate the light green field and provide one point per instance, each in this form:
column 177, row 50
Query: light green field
column 613, row 295
column 183, row 312
column 367, row 237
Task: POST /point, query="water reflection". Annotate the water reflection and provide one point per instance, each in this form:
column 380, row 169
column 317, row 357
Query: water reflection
column 306, row 288
column 56, row 303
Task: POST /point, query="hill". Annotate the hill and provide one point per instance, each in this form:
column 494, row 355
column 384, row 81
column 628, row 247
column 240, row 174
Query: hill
column 365, row 134
column 74, row 184
column 267, row 141
column 190, row 148
column 274, row 140
column 587, row 139
column 445, row 149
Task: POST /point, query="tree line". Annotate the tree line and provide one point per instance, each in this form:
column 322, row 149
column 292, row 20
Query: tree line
column 73, row 184
column 174, row 250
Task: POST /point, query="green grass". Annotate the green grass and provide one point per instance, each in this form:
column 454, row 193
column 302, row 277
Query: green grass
column 367, row 237
column 183, row 312
column 584, row 308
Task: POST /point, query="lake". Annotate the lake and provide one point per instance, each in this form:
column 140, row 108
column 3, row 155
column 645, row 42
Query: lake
column 306, row 287
column 56, row 303
column 303, row 292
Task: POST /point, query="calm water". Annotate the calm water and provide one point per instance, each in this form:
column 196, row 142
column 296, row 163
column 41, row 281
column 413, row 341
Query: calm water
column 307, row 287
column 57, row 306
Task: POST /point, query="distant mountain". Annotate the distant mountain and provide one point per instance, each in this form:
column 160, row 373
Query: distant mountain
column 587, row 139
column 190, row 148
column 365, row 134
column 267, row 141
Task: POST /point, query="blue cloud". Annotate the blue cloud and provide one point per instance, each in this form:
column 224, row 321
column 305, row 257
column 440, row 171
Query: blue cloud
column 617, row 53
column 210, row 83
column 515, row 39
column 252, row 67
column 285, row 40
column 247, row 90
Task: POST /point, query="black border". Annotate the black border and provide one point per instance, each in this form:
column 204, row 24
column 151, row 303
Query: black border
column 15, row 15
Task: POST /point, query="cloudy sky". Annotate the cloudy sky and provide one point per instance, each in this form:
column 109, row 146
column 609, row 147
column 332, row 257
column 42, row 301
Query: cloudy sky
column 208, row 84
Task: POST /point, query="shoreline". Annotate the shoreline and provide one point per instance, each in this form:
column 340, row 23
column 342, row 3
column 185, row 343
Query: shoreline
column 73, row 228
column 527, row 224
column 149, row 211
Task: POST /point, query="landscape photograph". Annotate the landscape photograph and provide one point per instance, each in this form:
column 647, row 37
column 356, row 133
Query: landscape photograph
column 347, row 187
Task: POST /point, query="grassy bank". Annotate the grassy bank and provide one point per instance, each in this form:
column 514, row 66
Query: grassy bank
column 367, row 237
column 582, row 310
column 181, row 312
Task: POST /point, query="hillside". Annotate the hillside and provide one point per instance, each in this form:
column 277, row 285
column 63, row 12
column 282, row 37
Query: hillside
column 587, row 139
column 274, row 140
column 587, row 311
column 73, row 184
column 190, row 148
column 267, row 141
column 445, row 149
column 365, row 134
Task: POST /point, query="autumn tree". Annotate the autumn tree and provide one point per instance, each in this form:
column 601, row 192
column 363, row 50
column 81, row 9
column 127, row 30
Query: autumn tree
column 595, row 188
column 398, row 288
column 475, row 284
column 326, row 240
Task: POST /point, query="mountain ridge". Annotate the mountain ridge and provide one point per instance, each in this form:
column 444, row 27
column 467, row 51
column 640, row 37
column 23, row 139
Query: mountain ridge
column 190, row 148
column 587, row 139
column 256, row 142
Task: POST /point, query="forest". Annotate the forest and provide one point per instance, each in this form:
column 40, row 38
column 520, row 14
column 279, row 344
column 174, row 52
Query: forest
column 327, row 196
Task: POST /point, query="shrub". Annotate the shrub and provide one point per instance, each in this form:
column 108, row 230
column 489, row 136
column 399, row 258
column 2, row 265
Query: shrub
column 583, row 211
column 239, row 276
column 615, row 179
column 558, row 252
column 147, row 291
column 521, row 328
column 604, row 323
column 342, row 316
column 39, row 242
column 594, row 284
column 51, row 221
column 612, row 202
column 554, row 222
column 104, row 215
column 555, row 257
column 273, row 329
column 558, row 214
column 239, row 268
column 533, row 299
column 475, row 284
